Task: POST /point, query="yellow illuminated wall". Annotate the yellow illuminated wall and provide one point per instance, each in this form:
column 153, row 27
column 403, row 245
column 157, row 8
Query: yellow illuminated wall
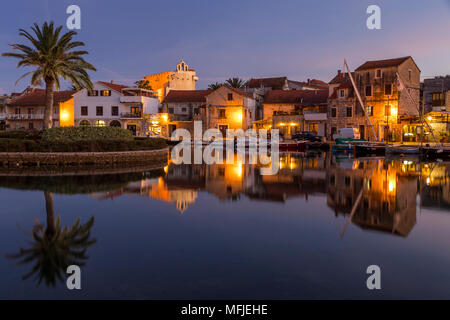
column 67, row 113
column 159, row 82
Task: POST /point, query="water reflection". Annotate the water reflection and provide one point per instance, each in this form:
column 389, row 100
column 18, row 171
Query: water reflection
column 54, row 247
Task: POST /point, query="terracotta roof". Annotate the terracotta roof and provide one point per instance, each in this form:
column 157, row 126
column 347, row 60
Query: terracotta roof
column 37, row 98
column 113, row 86
column 186, row 96
column 382, row 63
column 274, row 83
column 341, row 77
column 303, row 97
column 239, row 91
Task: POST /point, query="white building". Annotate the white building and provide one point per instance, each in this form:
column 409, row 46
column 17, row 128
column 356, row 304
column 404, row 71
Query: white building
column 116, row 105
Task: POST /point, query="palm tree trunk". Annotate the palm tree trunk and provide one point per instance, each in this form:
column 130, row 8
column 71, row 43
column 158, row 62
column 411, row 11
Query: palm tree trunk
column 51, row 227
column 48, row 116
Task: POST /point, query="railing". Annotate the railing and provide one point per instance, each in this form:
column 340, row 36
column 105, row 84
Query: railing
column 27, row 117
column 130, row 115
column 180, row 117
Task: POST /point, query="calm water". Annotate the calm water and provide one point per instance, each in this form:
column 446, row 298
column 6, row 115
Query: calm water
column 225, row 231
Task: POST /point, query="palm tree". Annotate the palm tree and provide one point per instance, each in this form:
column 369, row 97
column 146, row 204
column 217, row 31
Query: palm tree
column 52, row 57
column 235, row 83
column 215, row 86
column 53, row 248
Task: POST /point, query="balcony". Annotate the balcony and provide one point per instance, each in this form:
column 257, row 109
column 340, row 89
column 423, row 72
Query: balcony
column 130, row 115
column 315, row 116
column 180, row 117
column 27, row 117
column 131, row 99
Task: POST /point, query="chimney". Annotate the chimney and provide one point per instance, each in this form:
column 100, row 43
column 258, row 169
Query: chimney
column 112, row 81
column 339, row 72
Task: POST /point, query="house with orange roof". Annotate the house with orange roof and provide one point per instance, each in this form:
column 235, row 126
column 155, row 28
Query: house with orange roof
column 26, row 110
column 293, row 111
column 111, row 104
column 223, row 108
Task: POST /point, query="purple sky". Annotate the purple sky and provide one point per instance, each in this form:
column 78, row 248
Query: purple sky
column 245, row 38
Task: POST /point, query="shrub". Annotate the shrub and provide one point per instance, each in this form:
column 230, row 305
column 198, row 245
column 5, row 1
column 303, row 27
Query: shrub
column 103, row 145
column 86, row 134
column 21, row 134
column 18, row 145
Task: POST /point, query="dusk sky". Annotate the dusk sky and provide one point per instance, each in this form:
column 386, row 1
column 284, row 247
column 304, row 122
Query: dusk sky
column 245, row 38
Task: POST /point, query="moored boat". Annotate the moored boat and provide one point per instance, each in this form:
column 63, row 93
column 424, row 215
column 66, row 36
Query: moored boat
column 368, row 149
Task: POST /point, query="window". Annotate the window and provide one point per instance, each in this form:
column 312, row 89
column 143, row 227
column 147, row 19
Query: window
column 135, row 110
column 387, row 110
column 196, row 111
column 105, row 93
column 230, row 96
column 333, row 112
column 368, row 91
column 222, row 113
column 437, row 99
column 99, row 123
column 388, row 89
column 17, row 111
column 30, row 111
column 183, row 109
column 31, row 126
column 114, row 110
column 94, row 93
column 342, row 93
column 99, row 111
column 84, row 111
column 378, row 73
column 409, row 75
column 369, row 110
column 85, row 123
column 56, row 111
column 170, row 110
column 349, row 112
column 347, row 181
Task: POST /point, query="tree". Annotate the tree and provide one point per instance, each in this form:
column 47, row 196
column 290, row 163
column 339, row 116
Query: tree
column 215, row 86
column 52, row 56
column 54, row 248
column 143, row 84
column 235, row 83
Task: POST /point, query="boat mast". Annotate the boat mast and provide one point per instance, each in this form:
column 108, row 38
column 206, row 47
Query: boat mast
column 360, row 100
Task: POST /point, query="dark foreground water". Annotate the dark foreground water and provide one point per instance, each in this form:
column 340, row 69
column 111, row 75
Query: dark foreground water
column 225, row 231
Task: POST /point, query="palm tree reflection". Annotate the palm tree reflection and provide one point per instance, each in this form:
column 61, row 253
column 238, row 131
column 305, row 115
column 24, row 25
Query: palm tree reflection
column 54, row 248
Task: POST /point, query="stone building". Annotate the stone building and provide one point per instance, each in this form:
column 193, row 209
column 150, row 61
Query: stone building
column 293, row 111
column 394, row 115
column 436, row 98
column 183, row 78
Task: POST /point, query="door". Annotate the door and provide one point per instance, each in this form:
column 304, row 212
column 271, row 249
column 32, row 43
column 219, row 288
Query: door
column 132, row 128
column 362, row 132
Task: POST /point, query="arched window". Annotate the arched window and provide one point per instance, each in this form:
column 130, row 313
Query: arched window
column 85, row 123
column 115, row 123
column 99, row 123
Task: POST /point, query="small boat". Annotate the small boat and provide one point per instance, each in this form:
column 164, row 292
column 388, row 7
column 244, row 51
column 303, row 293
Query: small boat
column 292, row 145
column 370, row 149
column 346, row 144
column 435, row 152
column 403, row 150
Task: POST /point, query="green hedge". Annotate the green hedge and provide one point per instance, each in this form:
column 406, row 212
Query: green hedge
column 21, row 145
column 86, row 134
column 21, row 134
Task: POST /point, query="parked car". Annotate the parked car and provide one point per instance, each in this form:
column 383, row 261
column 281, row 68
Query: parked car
column 347, row 133
column 151, row 134
column 308, row 136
